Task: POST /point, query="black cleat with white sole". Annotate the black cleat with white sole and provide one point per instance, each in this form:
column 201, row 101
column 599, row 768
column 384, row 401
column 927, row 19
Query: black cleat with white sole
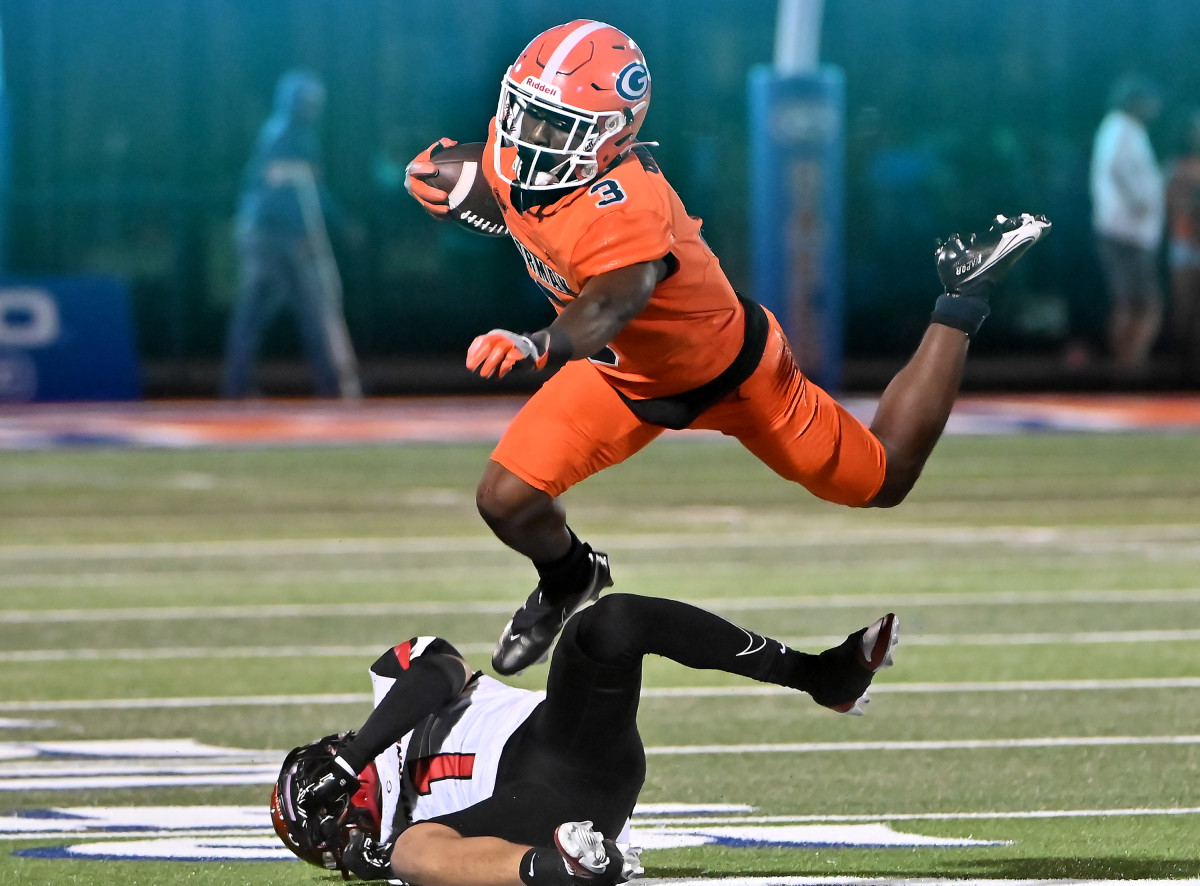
column 975, row 266
column 527, row 637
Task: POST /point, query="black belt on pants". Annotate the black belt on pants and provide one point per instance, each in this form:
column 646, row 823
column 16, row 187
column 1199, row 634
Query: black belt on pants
column 678, row 411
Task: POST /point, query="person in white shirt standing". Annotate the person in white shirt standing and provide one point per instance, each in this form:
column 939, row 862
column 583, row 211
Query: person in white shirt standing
column 1128, row 212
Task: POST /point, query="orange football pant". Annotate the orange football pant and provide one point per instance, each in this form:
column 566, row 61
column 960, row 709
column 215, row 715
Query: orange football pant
column 576, row 426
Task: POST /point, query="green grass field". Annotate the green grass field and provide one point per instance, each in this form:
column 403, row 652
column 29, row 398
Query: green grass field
column 1045, row 693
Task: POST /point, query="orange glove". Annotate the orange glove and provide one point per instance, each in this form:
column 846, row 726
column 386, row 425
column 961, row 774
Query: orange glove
column 499, row 352
column 432, row 198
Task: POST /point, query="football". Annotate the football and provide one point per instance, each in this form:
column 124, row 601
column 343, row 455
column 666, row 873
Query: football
column 460, row 174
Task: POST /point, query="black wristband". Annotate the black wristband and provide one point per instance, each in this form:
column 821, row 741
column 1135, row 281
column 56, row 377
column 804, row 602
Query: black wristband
column 965, row 312
column 557, row 346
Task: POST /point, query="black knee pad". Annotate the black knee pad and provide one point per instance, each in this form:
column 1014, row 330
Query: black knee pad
column 609, row 632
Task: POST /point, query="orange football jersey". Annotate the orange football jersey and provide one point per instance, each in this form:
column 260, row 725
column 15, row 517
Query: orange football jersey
column 693, row 325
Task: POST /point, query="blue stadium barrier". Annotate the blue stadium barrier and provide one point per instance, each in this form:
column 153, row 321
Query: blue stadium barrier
column 67, row 338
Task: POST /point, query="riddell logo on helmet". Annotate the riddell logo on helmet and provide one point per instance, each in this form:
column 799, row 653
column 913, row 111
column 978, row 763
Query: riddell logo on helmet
column 543, row 87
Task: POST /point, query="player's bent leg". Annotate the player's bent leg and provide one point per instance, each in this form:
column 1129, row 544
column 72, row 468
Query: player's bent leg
column 616, row 633
column 914, row 408
column 574, row 426
column 527, row 519
column 916, row 404
column 570, row 573
column 798, row 430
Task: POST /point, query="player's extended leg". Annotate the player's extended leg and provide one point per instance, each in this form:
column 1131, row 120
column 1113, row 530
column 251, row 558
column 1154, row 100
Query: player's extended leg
column 915, row 407
column 594, row 685
column 916, row 404
column 574, row 426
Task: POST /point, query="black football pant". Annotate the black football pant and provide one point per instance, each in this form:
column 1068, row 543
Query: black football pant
column 579, row 756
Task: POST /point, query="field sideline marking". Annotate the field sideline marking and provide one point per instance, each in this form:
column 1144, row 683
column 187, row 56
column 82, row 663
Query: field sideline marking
column 903, row 881
column 1023, row 536
column 169, row 653
column 705, row 821
column 922, row 816
column 650, row 692
column 95, row 775
column 29, row 773
column 485, row 607
column 966, row 744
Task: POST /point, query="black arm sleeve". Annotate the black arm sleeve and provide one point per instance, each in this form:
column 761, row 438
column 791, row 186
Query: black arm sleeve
column 429, row 683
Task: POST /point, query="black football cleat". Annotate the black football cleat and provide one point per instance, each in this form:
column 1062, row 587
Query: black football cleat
column 527, row 637
column 975, row 266
column 843, row 674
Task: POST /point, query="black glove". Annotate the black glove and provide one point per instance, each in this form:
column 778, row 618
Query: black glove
column 367, row 859
column 325, row 799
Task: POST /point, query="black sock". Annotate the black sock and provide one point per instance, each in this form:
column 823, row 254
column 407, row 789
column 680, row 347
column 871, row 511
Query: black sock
column 621, row 628
column 567, row 575
column 833, row 677
column 964, row 312
column 544, row 866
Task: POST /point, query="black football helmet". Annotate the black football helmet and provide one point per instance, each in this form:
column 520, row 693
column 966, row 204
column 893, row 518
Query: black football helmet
column 321, row 839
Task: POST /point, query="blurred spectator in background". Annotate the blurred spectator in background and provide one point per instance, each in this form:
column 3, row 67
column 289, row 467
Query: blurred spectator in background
column 1183, row 255
column 1127, row 217
column 284, row 250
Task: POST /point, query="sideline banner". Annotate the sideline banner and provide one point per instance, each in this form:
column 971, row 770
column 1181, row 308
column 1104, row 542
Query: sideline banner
column 797, row 160
column 67, row 338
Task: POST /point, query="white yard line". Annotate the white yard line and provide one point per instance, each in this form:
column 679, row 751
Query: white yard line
column 900, row 881
column 701, row 821
column 1139, row 596
column 643, row 821
column 355, row 698
column 1116, row 685
column 822, row 747
column 94, row 775
column 1019, row 536
column 168, row 653
column 220, row 701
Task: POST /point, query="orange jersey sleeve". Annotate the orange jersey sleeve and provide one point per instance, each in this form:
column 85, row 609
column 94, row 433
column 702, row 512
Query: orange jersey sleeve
column 693, row 325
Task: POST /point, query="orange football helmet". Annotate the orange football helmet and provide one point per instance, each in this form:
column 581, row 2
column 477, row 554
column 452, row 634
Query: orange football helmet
column 570, row 106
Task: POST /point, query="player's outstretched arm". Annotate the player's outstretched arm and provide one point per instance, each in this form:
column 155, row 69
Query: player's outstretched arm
column 433, row 199
column 584, row 327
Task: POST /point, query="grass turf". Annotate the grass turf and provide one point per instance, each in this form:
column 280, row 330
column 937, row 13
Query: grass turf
column 130, row 574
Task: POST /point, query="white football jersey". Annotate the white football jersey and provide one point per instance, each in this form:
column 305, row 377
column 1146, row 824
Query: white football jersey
column 449, row 761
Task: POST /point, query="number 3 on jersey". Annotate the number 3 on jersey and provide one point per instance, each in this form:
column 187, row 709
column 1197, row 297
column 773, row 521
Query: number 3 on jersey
column 610, row 192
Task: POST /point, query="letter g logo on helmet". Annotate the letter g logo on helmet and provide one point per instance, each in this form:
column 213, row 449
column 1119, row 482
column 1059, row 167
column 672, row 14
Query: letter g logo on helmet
column 633, row 81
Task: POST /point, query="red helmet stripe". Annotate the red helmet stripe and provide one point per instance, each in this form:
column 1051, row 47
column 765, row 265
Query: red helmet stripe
column 402, row 653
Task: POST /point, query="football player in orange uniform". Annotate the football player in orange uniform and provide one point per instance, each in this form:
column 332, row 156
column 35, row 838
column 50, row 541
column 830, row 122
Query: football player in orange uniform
column 650, row 334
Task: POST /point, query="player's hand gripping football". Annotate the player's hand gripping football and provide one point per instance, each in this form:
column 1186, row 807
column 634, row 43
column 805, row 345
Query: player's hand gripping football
column 325, row 799
column 498, row 352
column 432, row 198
